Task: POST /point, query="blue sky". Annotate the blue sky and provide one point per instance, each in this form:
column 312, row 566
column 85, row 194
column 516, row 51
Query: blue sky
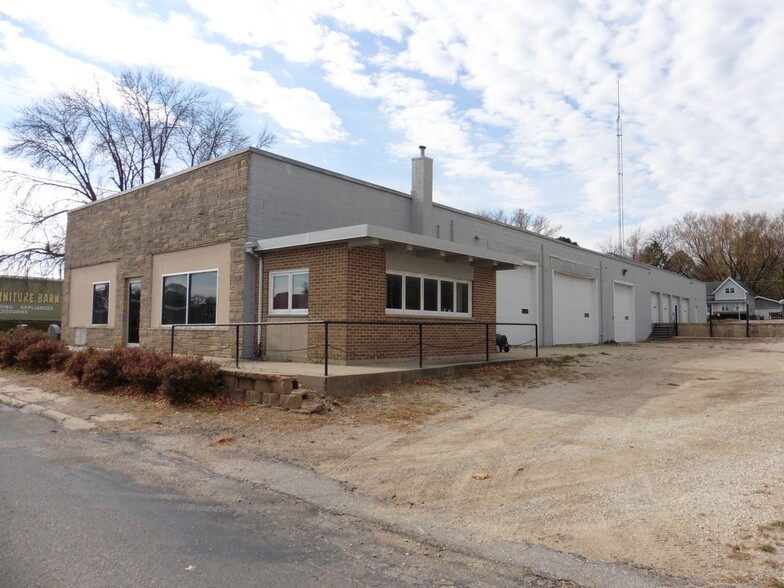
column 515, row 100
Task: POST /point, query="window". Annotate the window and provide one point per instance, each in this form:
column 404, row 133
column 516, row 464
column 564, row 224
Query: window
column 462, row 297
column 289, row 292
column 729, row 290
column 413, row 293
column 427, row 295
column 190, row 299
column 394, row 291
column 100, row 303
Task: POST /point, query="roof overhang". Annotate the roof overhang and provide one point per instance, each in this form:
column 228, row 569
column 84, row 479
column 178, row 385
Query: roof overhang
column 391, row 240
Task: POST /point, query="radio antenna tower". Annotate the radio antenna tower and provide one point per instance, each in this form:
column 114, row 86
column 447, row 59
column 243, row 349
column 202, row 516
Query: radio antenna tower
column 619, row 135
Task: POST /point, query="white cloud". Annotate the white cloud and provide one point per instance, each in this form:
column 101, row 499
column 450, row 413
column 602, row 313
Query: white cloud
column 515, row 97
column 175, row 46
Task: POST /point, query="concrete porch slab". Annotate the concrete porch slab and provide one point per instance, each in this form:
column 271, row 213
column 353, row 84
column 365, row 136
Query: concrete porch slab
column 350, row 379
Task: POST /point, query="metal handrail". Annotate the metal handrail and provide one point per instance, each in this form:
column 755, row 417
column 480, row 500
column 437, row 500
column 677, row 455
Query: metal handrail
column 419, row 324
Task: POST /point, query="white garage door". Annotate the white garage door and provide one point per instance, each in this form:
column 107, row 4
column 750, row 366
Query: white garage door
column 623, row 313
column 575, row 310
column 517, row 301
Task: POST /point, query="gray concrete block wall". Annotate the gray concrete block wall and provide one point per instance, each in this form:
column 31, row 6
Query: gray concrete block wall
column 553, row 255
column 288, row 198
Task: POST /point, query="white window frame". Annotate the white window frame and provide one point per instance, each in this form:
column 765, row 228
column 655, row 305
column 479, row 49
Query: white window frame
column 188, row 274
column 108, row 303
column 287, row 311
column 433, row 313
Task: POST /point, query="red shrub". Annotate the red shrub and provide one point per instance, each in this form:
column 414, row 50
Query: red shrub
column 74, row 365
column 60, row 357
column 185, row 380
column 40, row 355
column 142, row 368
column 15, row 342
column 5, row 342
column 103, row 370
column 180, row 380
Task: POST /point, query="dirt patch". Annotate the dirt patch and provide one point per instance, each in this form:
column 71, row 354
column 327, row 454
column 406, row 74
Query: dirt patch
column 666, row 456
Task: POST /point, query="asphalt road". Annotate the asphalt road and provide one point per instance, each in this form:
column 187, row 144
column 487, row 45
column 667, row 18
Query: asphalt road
column 68, row 519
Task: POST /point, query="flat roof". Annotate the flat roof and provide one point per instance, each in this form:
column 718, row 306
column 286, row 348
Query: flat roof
column 392, row 240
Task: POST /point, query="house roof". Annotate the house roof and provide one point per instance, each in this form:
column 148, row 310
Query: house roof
column 718, row 285
column 392, row 240
column 769, row 301
column 711, row 287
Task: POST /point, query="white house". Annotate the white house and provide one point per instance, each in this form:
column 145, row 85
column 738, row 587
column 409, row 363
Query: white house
column 729, row 299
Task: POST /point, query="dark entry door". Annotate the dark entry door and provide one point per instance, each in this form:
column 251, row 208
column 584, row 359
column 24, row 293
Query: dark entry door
column 134, row 310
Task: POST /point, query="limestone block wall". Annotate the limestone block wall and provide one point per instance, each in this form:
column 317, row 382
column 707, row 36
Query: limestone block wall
column 734, row 329
column 203, row 206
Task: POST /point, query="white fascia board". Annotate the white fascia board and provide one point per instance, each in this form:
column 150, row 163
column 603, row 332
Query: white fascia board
column 383, row 235
column 729, row 280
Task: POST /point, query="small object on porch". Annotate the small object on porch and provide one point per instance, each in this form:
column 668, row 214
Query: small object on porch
column 502, row 343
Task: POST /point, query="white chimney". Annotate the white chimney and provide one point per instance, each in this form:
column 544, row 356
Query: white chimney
column 421, row 191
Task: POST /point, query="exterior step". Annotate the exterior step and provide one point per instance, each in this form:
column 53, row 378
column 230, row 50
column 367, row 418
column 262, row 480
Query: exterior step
column 662, row 332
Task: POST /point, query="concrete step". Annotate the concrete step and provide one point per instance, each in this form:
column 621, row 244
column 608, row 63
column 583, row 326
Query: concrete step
column 661, row 332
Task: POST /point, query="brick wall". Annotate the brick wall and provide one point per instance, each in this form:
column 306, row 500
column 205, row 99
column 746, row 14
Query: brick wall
column 349, row 283
column 203, row 206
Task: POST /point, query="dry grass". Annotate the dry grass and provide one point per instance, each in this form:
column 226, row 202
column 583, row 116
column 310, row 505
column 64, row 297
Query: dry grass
column 402, row 408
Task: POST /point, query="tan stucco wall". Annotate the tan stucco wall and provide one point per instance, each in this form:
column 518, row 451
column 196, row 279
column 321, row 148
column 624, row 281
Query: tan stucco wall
column 80, row 302
column 214, row 257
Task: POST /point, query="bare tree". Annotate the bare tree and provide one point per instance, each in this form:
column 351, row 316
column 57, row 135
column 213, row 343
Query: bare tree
column 536, row 223
column 494, row 214
column 212, row 130
column 746, row 246
column 633, row 245
column 521, row 219
column 54, row 137
column 710, row 247
column 90, row 146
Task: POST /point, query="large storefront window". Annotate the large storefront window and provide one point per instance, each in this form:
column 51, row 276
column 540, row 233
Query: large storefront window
column 190, row 298
column 418, row 294
column 289, row 292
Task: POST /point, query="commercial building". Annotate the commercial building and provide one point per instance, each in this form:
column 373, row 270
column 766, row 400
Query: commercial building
column 254, row 236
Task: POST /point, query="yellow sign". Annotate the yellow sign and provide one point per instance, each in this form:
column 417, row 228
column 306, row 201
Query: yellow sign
column 30, row 299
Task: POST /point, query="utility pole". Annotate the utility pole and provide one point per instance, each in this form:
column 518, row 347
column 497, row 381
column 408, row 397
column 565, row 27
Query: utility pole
column 619, row 135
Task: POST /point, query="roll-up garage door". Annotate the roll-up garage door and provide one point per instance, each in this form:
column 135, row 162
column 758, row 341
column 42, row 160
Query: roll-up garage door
column 517, row 301
column 575, row 309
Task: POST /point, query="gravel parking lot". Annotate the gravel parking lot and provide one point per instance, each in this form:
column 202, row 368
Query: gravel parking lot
column 667, row 456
